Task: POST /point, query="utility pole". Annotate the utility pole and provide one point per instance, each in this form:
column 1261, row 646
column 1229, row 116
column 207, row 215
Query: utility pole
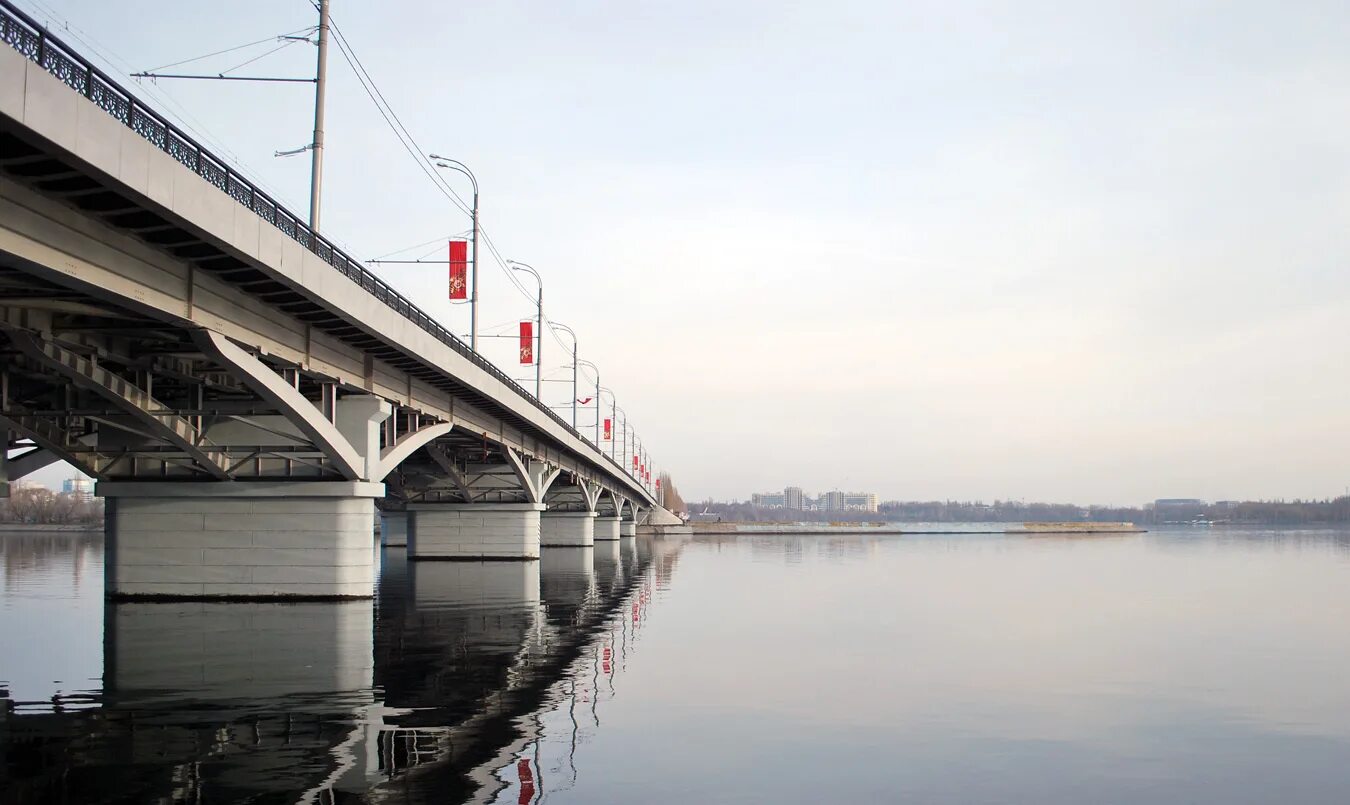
column 320, row 84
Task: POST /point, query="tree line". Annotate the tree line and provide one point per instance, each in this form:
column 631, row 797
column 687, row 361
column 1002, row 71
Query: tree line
column 1271, row 512
column 35, row 504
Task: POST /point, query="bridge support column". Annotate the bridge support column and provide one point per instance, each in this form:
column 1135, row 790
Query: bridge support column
column 606, row 528
column 474, row 532
column 233, row 540
column 628, row 528
column 393, row 529
column 567, row 529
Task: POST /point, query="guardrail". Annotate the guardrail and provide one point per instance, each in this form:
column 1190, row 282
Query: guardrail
column 25, row 35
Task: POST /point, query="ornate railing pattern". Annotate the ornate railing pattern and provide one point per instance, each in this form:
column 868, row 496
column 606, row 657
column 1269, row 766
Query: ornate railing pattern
column 29, row 38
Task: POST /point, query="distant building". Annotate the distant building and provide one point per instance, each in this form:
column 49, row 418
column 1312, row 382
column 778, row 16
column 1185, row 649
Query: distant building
column 82, row 489
column 772, row 500
column 794, row 499
column 860, row 501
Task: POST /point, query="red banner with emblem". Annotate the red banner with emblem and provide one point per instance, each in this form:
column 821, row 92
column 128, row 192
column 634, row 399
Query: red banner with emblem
column 459, row 269
column 527, row 342
column 635, row 463
column 609, row 433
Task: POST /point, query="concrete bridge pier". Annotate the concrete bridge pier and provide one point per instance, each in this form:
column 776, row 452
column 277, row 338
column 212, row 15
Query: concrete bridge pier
column 224, row 540
column 566, row 529
column 474, row 532
column 606, row 528
column 393, row 529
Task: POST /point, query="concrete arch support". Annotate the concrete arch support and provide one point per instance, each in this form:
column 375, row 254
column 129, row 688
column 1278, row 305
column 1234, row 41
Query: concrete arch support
column 535, row 476
column 351, row 441
column 397, row 453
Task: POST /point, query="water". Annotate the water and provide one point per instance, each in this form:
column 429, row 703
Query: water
column 1173, row 667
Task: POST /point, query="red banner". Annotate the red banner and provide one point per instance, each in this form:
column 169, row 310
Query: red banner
column 526, row 775
column 635, row 462
column 609, row 434
column 658, row 483
column 527, row 342
column 459, row 269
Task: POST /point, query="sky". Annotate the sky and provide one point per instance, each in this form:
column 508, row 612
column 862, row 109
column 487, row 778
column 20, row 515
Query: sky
column 1085, row 252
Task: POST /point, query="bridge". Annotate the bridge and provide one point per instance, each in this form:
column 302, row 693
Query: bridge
column 247, row 395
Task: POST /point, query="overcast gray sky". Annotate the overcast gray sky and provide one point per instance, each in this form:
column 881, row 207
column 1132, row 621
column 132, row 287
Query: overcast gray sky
column 1055, row 251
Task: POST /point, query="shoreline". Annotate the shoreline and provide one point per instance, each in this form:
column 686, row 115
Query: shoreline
column 51, row 528
column 897, row 529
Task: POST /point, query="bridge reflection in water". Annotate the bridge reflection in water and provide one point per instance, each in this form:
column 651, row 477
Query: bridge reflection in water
column 442, row 691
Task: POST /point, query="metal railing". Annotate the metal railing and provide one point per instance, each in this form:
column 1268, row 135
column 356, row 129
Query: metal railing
column 25, row 35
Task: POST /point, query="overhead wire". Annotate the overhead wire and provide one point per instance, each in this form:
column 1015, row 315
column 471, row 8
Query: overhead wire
column 311, row 29
column 282, row 46
column 392, row 119
column 419, row 154
column 418, row 245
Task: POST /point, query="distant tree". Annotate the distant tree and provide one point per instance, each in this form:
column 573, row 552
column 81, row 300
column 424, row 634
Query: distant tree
column 670, row 495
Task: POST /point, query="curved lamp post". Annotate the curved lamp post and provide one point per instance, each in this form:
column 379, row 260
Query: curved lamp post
column 557, row 325
column 538, row 326
column 460, row 167
column 595, row 369
column 613, row 418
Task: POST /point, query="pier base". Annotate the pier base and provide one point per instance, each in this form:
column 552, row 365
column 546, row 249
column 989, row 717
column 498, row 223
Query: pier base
column 628, row 528
column 474, row 532
column 606, row 528
column 231, row 540
column 566, row 529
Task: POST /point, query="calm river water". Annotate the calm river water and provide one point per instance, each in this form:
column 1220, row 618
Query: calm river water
column 1188, row 666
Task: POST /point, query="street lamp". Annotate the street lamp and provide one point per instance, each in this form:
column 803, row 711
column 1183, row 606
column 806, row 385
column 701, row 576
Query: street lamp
column 613, row 419
column 557, row 325
column 595, row 369
column 539, row 325
column 456, row 165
